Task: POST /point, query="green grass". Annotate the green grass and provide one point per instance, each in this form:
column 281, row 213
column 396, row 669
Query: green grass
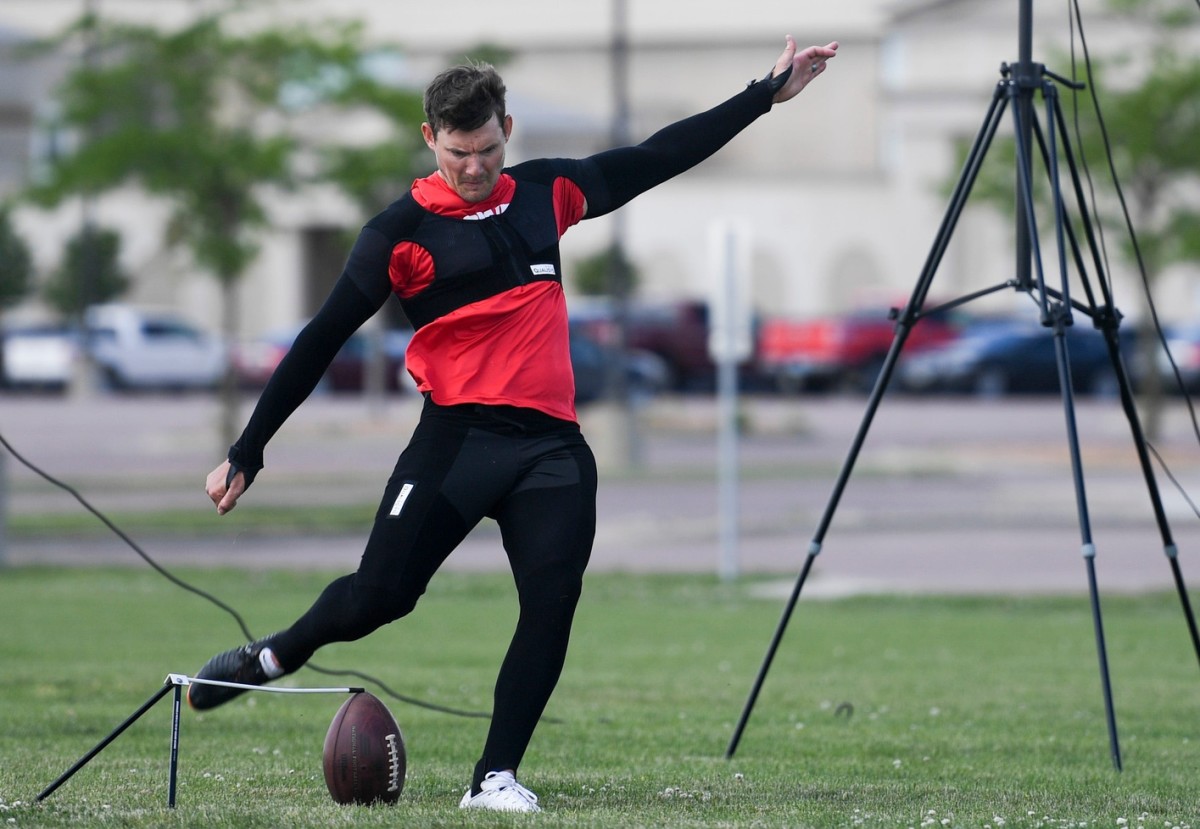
column 267, row 520
column 878, row 712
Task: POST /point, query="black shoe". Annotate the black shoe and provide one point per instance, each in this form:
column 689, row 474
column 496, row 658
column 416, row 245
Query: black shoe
column 237, row 665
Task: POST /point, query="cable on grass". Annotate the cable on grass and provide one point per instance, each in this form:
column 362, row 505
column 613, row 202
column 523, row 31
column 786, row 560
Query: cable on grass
column 207, row 596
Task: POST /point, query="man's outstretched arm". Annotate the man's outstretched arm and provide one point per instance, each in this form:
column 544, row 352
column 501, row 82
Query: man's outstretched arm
column 618, row 175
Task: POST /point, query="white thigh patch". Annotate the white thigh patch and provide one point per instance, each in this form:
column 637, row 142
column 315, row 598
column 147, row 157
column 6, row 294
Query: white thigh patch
column 405, row 491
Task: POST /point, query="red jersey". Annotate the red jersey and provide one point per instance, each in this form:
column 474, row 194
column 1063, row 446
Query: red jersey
column 512, row 348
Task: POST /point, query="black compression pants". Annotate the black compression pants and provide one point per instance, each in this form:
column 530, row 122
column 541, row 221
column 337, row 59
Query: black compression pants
column 536, row 476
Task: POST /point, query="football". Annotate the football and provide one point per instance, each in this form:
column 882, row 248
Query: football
column 364, row 756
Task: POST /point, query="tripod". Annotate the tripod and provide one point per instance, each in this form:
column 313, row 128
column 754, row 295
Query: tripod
column 1015, row 92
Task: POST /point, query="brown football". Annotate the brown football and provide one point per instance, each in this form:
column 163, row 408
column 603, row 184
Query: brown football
column 364, row 754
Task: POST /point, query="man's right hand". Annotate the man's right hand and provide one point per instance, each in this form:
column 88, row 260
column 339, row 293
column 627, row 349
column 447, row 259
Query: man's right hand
column 224, row 496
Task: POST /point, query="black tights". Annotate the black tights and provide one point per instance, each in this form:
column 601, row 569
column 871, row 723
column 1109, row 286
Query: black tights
column 537, row 478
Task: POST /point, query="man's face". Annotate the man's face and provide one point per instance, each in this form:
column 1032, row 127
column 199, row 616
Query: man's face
column 470, row 162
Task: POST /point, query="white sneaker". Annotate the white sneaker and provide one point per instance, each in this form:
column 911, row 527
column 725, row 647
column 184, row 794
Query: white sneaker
column 501, row 792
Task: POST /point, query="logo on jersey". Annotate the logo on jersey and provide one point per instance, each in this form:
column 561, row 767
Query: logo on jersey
column 487, row 214
column 543, row 270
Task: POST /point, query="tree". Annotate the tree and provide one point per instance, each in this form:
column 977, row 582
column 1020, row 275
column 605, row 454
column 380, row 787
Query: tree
column 16, row 263
column 210, row 121
column 1151, row 127
column 593, row 274
column 90, row 272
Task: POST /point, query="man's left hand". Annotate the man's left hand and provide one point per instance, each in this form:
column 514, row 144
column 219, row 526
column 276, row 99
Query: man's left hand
column 806, row 65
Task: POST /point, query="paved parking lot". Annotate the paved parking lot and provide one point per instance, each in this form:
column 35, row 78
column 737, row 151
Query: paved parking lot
column 949, row 495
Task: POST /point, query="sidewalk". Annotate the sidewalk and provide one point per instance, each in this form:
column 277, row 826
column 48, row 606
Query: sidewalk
column 948, row 496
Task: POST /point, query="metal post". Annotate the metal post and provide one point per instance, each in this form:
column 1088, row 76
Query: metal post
column 730, row 343
column 619, row 272
column 726, row 354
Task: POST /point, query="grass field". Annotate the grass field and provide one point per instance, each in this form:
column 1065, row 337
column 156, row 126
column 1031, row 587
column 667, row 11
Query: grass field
column 878, row 712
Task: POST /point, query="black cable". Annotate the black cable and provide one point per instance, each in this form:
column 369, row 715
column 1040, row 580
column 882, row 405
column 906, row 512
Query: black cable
column 1171, row 477
column 1137, row 250
column 1094, row 209
column 178, row 582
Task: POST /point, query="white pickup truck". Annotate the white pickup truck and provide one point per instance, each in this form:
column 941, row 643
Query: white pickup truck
column 135, row 348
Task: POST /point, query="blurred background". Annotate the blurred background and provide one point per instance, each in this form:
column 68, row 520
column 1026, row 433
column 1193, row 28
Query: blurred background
column 215, row 159
column 180, row 181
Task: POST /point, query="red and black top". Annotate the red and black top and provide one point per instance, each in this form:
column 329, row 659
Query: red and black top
column 482, row 282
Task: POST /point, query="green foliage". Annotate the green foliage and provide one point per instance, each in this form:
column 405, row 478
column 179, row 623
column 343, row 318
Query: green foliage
column 605, row 273
column 209, row 119
column 878, row 713
column 494, row 53
column 90, row 272
column 1150, row 126
column 16, row 263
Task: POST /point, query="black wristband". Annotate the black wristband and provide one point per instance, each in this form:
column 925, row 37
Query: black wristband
column 248, row 472
column 775, row 83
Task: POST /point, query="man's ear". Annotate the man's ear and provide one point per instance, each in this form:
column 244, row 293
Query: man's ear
column 427, row 134
column 508, row 125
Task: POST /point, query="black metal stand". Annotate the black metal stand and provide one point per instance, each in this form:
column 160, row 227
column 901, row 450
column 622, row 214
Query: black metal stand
column 176, row 682
column 172, row 681
column 1015, row 90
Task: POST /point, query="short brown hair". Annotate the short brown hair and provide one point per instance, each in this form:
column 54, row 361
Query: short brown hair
column 464, row 97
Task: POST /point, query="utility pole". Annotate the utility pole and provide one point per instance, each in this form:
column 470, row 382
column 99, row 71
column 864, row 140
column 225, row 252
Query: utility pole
column 618, row 264
column 83, row 381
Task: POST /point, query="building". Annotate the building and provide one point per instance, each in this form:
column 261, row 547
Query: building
column 842, row 188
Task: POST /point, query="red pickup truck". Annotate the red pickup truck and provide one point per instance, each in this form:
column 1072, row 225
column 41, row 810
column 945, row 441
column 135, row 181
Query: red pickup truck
column 675, row 331
column 843, row 352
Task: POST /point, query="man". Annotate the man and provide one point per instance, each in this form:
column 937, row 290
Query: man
column 472, row 253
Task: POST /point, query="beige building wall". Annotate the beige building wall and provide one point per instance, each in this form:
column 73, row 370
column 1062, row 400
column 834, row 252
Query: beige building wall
column 839, row 186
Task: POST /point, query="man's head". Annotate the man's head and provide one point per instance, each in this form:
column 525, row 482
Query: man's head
column 467, row 127
column 464, row 98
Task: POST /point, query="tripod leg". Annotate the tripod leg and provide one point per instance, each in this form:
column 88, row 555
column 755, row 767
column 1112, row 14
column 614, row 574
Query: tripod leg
column 1061, row 317
column 1085, row 530
column 1160, row 515
column 1098, row 623
column 1108, row 322
column 907, row 319
column 83, row 761
column 762, row 671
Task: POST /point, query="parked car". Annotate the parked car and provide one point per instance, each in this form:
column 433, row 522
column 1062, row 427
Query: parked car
column 37, row 358
column 843, row 351
column 998, row 357
column 646, row 373
column 676, row 332
column 144, row 349
column 254, row 362
column 1184, row 342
